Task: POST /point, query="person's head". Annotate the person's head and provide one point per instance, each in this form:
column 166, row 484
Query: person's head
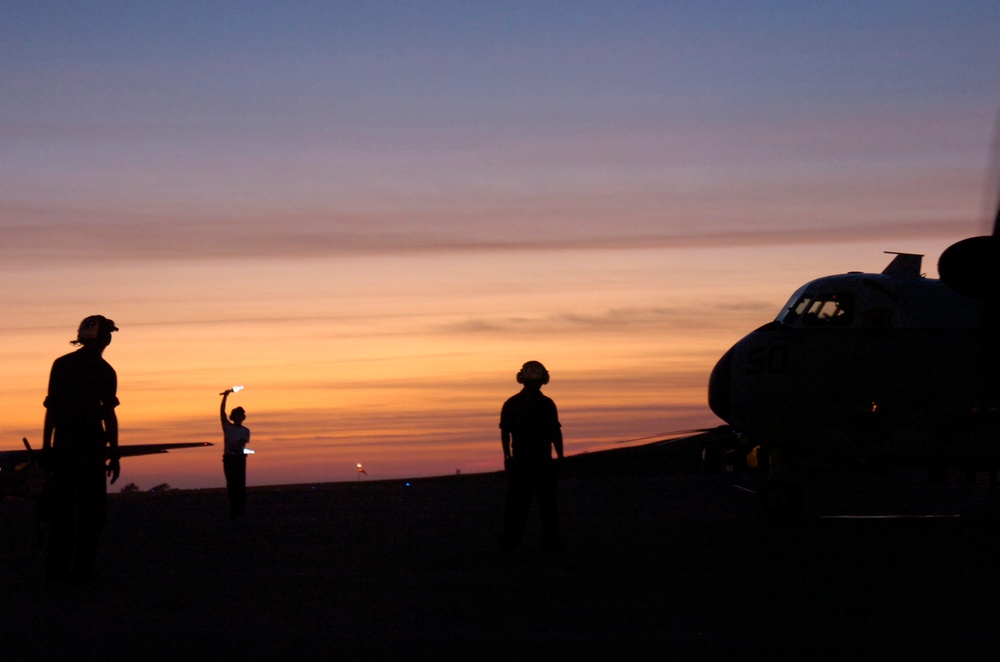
column 533, row 375
column 95, row 331
column 237, row 415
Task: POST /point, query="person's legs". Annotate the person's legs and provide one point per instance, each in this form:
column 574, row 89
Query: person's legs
column 547, row 487
column 519, row 495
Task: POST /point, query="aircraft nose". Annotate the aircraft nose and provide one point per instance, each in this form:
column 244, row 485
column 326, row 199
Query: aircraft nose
column 719, row 387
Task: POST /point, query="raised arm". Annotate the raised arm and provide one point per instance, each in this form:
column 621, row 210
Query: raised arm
column 222, row 407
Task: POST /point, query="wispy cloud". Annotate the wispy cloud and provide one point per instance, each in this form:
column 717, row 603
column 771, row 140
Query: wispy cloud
column 375, row 215
column 651, row 320
column 110, row 242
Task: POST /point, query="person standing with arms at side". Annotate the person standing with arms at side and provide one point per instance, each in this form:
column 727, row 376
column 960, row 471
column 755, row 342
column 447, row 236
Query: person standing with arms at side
column 529, row 430
column 234, row 458
column 80, row 435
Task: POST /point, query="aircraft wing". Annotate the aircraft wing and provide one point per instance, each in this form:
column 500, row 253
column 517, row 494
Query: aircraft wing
column 153, row 449
column 21, row 476
column 664, row 456
column 10, row 459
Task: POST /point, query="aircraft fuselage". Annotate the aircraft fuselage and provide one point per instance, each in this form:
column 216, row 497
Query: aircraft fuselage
column 890, row 369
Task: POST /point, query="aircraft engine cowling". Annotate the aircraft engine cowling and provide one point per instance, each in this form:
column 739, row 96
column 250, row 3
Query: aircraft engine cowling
column 720, row 388
column 972, row 267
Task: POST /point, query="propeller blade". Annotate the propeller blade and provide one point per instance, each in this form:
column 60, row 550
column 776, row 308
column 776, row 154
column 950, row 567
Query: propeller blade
column 995, row 175
column 31, row 452
column 972, row 266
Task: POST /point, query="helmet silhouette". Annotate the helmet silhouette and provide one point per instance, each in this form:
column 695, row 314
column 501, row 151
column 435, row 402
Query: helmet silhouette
column 533, row 371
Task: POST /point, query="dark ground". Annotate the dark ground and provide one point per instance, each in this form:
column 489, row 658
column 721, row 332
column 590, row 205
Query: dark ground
column 659, row 567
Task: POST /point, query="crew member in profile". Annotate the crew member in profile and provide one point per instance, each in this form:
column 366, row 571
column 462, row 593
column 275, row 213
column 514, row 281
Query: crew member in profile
column 529, row 430
column 234, row 458
column 80, row 436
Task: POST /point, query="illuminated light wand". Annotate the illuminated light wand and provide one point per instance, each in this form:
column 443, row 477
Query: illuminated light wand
column 235, row 389
column 361, row 470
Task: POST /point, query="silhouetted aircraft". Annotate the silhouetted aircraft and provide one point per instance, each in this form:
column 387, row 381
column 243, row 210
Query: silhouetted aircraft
column 873, row 371
column 22, row 475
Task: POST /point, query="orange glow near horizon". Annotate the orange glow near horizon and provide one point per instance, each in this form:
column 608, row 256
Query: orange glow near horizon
column 372, row 218
column 406, row 366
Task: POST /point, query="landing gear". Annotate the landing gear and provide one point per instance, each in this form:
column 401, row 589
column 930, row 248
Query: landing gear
column 781, row 498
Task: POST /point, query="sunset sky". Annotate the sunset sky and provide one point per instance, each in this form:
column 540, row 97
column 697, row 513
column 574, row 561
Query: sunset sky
column 372, row 213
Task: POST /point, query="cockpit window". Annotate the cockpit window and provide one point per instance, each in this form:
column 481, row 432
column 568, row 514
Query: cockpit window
column 821, row 310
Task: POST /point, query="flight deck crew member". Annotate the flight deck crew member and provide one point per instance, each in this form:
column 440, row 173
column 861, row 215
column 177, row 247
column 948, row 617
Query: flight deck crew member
column 529, row 430
column 80, row 435
column 234, row 459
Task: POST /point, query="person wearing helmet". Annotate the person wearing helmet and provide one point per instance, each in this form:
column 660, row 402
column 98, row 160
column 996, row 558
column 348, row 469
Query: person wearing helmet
column 80, row 435
column 529, row 430
column 234, row 459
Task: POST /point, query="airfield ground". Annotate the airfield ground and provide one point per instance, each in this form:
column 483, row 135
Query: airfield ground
column 660, row 566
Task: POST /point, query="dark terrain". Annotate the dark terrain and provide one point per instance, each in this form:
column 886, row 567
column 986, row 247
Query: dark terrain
column 661, row 564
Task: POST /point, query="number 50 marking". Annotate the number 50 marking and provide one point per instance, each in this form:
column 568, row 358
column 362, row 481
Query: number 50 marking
column 769, row 360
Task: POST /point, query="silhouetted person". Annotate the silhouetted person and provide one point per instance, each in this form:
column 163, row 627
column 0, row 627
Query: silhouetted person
column 529, row 430
column 81, row 434
column 234, row 458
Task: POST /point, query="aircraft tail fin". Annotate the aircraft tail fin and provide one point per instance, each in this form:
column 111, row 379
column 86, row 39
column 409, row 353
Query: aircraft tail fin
column 904, row 265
